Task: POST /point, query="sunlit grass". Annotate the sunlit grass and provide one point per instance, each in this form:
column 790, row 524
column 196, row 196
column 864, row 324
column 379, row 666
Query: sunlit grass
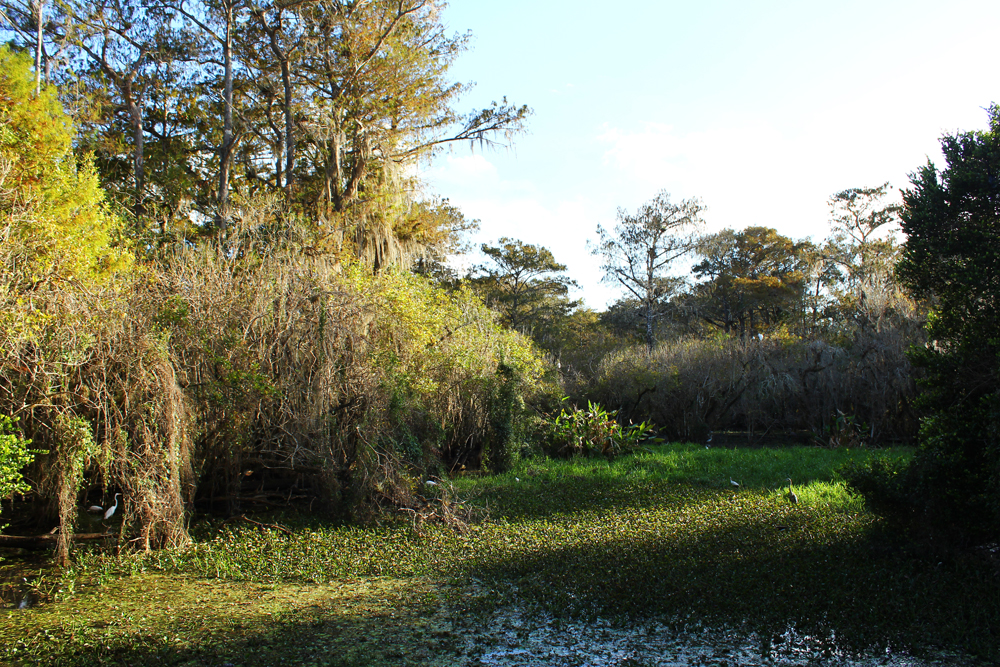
column 662, row 533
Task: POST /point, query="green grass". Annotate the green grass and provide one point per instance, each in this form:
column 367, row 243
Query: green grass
column 661, row 533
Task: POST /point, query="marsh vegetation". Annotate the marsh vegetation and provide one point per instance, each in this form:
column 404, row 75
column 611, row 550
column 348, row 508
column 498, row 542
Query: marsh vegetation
column 229, row 311
column 658, row 539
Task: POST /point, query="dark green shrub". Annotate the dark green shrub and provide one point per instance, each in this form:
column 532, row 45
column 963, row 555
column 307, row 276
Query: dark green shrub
column 952, row 251
column 882, row 480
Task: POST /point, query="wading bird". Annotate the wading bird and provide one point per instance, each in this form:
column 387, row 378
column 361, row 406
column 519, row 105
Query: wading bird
column 95, row 509
column 111, row 510
column 733, row 482
column 792, row 498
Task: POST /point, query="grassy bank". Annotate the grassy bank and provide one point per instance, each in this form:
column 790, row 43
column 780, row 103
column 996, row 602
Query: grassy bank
column 661, row 534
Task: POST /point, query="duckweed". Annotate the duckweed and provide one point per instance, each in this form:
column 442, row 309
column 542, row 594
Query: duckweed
column 662, row 534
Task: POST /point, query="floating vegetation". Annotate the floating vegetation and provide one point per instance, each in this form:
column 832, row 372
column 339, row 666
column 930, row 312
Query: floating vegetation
column 655, row 540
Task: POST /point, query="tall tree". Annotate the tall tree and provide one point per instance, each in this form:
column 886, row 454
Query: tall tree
column 218, row 22
column 524, row 282
column 951, row 218
column 276, row 40
column 752, row 279
column 642, row 248
column 56, row 228
column 115, row 48
column 863, row 244
column 381, row 101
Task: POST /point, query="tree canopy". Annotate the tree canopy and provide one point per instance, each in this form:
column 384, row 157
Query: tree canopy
column 951, row 218
column 752, row 279
column 193, row 106
column 525, row 283
column 639, row 253
column 58, row 226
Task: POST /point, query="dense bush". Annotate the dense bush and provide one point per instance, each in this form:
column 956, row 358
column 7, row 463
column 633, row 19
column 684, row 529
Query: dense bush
column 688, row 387
column 952, row 252
column 262, row 365
column 883, row 481
column 14, row 455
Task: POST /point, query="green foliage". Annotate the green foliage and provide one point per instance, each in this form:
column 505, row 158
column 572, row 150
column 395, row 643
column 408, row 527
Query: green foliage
column 60, row 229
column 754, row 279
column 594, row 431
column 640, row 251
column 15, row 455
column 658, row 537
column 882, row 480
column 526, row 285
column 951, row 218
column 864, row 244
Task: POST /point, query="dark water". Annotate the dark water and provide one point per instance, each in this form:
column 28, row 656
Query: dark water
column 516, row 640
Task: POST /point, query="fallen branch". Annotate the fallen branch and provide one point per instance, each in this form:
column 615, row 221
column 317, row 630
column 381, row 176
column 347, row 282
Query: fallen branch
column 47, row 540
column 273, row 526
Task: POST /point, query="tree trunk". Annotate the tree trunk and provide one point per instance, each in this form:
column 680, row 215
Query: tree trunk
column 649, row 325
column 286, row 81
column 38, row 48
column 226, row 150
column 138, row 162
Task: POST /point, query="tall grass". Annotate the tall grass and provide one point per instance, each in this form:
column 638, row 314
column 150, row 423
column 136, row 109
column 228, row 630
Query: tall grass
column 847, row 390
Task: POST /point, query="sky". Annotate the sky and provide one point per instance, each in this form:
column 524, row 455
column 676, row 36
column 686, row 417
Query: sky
column 763, row 110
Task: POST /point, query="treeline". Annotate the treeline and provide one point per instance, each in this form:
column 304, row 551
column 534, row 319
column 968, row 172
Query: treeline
column 215, row 289
column 323, row 104
column 766, row 334
column 858, row 340
column 223, row 288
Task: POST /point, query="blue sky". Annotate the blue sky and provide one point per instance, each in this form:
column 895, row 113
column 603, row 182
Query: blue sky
column 761, row 109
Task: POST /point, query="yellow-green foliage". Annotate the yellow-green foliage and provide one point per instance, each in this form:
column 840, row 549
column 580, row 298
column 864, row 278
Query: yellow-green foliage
column 426, row 341
column 59, row 226
column 14, row 455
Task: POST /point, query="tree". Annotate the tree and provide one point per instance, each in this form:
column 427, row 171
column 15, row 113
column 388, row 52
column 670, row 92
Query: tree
column 122, row 44
column 523, row 283
column 642, row 248
column 51, row 205
column 755, row 278
column 951, row 219
column 863, row 244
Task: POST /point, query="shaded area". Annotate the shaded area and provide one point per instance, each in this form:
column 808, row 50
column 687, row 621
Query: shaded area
column 628, row 542
column 157, row 620
column 744, row 559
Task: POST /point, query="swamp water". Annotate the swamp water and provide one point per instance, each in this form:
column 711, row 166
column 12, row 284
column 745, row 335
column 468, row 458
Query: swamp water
column 517, row 640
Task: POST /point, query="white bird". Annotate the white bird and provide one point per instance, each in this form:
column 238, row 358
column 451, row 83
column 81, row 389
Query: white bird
column 95, row 509
column 733, row 482
column 431, row 482
column 111, row 510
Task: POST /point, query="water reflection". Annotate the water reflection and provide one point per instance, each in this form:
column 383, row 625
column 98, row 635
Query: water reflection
column 516, row 639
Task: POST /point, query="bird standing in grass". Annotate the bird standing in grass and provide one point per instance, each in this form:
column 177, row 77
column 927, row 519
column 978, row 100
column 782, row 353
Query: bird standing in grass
column 734, row 482
column 792, row 498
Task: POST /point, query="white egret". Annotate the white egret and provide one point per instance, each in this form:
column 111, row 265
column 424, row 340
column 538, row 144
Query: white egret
column 733, row 482
column 111, row 510
column 95, row 509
